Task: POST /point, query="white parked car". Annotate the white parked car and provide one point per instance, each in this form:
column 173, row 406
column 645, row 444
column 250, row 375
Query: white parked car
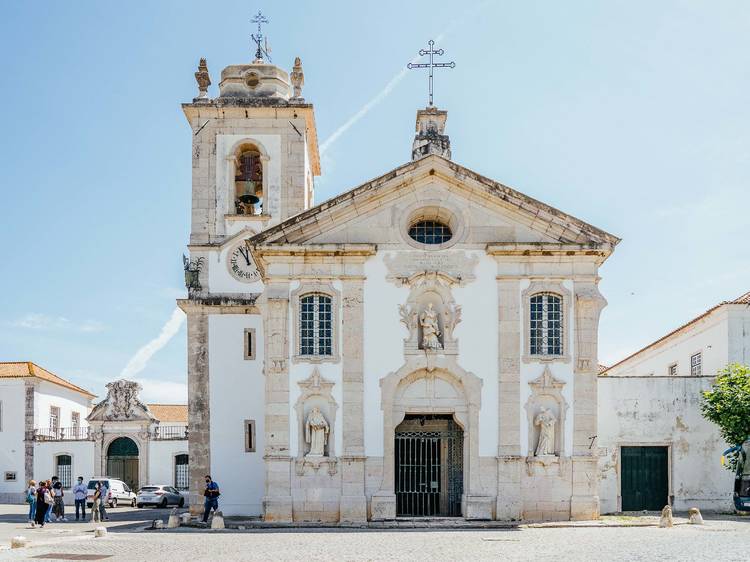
column 119, row 492
column 159, row 495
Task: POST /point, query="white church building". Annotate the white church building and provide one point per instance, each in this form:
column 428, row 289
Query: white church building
column 424, row 344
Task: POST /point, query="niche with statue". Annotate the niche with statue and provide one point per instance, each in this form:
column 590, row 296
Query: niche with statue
column 546, row 411
column 430, row 315
column 316, row 418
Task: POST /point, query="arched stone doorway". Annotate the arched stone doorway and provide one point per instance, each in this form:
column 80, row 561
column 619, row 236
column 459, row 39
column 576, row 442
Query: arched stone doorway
column 429, row 466
column 122, row 461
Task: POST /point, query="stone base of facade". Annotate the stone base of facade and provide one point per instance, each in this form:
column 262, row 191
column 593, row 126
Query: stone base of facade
column 584, row 508
column 383, row 506
column 278, row 509
column 478, row 508
column 353, row 509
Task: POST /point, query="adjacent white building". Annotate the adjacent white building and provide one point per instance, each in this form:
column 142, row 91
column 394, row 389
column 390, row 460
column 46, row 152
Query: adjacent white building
column 49, row 426
column 656, row 446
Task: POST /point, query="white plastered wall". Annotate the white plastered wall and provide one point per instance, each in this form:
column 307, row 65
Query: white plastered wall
column 161, row 460
column 69, row 401
column 82, row 458
column 236, row 394
column 12, row 451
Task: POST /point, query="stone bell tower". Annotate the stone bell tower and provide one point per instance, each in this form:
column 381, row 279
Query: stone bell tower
column 255, row 149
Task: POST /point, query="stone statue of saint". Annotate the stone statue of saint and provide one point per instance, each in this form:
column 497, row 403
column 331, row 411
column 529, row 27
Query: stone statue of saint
column 546, row 421
column 316, row 433
column 297, row 78
column 430, row 329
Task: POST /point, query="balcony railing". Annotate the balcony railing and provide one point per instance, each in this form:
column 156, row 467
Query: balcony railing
column 60, row 434
column 163, row 432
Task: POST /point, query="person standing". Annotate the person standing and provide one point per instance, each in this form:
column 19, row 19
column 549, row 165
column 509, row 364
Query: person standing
column 58, row 493
column 95, row 513
column 49, row 500
column 42, row 494
column 211, row 493
column 79, row 495
column 103, row 501
column 31, row 500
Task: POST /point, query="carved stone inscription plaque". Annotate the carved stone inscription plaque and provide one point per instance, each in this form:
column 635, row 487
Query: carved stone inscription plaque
column 457, row 265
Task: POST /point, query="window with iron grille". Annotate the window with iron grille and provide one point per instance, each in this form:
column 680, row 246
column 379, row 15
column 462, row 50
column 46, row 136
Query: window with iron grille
column 430, row 232
column 672, row 369
column 546, row 324
column 316, row 325
column 181, row 472
column 696, row 364
column 75, row 421
column 64, row 470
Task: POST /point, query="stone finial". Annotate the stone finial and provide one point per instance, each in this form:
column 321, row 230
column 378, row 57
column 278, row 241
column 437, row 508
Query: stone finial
column 298, row 78
column 666, row 517
column 203, row 79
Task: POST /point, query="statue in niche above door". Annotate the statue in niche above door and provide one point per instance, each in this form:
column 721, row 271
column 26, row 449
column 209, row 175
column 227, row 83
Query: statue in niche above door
column 430, row 329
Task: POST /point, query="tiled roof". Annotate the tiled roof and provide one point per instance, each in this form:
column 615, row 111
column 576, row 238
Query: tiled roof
column 742, row 299
column 169, row 412
column 23, row 369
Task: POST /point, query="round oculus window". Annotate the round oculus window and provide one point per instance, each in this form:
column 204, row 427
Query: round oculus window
column 430, row 232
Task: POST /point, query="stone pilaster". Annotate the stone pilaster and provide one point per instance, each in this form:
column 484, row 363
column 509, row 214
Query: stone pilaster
column 584, row 503
column 509, row 504
column 28, row 463
column 353, row 504
column 199, row 415
column 277, row 502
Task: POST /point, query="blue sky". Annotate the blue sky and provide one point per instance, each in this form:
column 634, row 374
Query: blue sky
column 631, row 115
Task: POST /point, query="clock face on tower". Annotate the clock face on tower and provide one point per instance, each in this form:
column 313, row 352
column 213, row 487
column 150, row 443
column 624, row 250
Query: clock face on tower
column 241, row 265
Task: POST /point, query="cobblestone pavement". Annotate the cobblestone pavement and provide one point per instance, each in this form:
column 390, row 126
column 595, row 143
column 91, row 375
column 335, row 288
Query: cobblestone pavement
column 717, row 540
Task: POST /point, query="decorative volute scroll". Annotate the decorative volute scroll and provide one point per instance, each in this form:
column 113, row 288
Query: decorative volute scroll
column 316, row 421
column 431, row 316
column 121, row 404
column 546, row 410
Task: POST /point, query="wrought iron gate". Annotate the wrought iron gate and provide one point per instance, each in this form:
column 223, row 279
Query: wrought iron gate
column 429, row 467
column 125, row 469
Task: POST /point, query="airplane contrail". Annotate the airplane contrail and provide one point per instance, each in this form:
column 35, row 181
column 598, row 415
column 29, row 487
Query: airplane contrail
column 141, row 357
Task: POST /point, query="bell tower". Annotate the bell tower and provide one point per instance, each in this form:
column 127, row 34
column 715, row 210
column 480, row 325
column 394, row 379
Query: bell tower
column 255, row 149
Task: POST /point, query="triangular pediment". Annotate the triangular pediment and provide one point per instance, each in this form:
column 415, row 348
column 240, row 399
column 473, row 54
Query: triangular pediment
column 486, row 211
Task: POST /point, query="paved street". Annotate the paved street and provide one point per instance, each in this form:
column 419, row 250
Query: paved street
column 718, row 539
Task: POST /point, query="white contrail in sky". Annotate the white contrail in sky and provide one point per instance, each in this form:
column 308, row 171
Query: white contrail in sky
column 141, row 358
column 380, row 96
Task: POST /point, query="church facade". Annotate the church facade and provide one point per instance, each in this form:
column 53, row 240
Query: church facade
column 424, row 344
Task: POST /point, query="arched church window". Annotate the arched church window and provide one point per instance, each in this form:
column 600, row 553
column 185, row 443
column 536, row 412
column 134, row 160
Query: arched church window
column 316, row 325
column 248, row 182
column 64, row 470
column 430, row 232
column 181, row 475
column 546, row 324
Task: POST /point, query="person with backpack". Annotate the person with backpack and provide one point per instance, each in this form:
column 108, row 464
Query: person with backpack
column 96, row 516
column 211, row 493
column 79, row 495
column 49, row 500
column 31, row 500
column 43, row 502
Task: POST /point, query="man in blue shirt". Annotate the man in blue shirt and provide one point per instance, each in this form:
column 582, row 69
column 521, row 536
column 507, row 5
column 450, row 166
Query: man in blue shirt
column 211, row 493
column 80, row 491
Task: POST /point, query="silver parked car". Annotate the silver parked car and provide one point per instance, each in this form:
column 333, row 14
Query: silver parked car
column 159, row 495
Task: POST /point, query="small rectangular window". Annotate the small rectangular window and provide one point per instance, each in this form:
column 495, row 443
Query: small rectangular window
column 54, row 419
column 249, row 343
column 696, row 364
column 672, row 369
column 249, row 436
column 10, row 476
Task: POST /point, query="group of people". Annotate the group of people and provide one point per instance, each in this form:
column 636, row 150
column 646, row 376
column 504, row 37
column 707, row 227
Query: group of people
column 46, row 501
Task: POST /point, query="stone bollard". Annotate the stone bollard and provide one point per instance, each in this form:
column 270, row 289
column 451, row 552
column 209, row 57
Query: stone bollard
column 185, row 518
column 695, row 517
column 666, row 517
column 217, row 521
column 19, row 542
column 174, row 520
column 157, row 524
column 100, row 532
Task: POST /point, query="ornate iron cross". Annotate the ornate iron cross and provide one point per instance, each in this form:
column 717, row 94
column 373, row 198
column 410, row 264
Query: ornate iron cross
column 262, row 48
column 431, row 51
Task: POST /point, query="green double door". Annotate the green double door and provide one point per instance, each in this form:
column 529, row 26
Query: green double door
column 645, row 478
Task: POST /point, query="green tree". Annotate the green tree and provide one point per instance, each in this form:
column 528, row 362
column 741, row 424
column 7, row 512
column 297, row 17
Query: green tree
column 727, row 404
